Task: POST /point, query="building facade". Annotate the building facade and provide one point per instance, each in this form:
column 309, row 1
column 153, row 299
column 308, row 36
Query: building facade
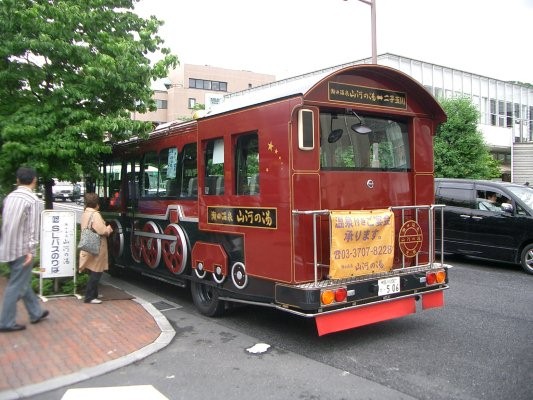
column 188, row 86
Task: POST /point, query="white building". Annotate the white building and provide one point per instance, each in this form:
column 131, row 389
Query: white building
column 506, row 109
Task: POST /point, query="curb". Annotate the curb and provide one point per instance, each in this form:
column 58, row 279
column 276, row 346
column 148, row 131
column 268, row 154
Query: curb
column 165, row 337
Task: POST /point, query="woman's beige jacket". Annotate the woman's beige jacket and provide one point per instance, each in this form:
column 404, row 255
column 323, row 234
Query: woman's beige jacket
column 97, row 263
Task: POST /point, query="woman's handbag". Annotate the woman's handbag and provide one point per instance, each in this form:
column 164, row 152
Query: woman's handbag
column 89, row 239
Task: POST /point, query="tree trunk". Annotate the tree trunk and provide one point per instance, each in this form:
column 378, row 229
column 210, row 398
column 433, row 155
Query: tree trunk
column 48, row 195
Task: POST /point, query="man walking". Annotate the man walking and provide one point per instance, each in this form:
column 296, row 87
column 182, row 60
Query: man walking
column 18, row 244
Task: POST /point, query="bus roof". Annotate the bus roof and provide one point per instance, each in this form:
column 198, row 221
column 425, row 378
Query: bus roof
column 301, row 85
column 276, row 90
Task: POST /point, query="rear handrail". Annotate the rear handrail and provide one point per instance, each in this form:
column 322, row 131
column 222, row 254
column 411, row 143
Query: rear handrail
column 430, row 209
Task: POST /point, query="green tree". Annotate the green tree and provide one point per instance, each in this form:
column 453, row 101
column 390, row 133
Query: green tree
column 460, row 151
column 71, row 72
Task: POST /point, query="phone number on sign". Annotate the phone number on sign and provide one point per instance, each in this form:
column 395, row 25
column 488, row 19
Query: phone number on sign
column 343, row 254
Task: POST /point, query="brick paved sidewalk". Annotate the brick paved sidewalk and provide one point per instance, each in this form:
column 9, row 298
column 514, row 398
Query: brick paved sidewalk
column 74, row 336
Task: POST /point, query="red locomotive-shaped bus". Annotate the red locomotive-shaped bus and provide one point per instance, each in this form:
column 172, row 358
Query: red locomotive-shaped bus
column 312, row 195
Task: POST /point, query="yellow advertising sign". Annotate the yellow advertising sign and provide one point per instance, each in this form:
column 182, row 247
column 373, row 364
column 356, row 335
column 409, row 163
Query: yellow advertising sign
column 362, row 242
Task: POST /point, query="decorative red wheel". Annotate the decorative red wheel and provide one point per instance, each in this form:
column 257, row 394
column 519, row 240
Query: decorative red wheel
column 175, row 251
column 116, row 239
column 151, row 244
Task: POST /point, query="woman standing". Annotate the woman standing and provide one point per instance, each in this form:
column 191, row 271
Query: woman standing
column 95, row 264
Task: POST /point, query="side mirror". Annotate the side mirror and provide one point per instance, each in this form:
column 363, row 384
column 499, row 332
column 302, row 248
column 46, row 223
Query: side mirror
column 507, row 208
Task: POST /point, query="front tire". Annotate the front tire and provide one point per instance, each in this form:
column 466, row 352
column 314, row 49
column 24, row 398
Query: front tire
column 526, row 260
column 205, row 298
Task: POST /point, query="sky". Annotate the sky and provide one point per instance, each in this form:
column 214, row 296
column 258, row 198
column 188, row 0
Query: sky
column 286, row 38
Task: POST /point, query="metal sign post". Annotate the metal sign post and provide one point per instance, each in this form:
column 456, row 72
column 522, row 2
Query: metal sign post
column 58, row 248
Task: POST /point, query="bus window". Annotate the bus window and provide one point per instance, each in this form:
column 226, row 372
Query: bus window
column 247, row 165
column 214, row 167
column 150, row 175
column 134, row 189
column 168, row 160
column 189, row 171
column 108, row 184
column 353, row 142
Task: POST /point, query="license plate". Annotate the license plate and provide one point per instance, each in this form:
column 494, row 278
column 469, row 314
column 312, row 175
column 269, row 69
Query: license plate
column 388, row 286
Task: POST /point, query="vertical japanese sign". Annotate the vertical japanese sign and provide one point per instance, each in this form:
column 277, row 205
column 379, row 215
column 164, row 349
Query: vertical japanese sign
column 362, row 243
column 58, row 243
column 172, row 162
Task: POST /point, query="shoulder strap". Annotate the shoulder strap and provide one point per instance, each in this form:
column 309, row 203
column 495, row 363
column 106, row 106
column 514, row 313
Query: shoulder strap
column 90, row 222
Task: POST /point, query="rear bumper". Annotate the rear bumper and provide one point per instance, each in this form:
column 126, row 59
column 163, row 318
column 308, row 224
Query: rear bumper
column 376, row 312
column 363, row 304
column 363, row 290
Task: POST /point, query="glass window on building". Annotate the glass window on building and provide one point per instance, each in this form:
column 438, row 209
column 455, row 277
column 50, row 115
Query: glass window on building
column 192, row 103
column 493, row 112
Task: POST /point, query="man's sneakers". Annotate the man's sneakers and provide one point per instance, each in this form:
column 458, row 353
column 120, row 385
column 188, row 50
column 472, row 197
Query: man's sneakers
column 95, row 301
column 43, row 316
column 13, row 328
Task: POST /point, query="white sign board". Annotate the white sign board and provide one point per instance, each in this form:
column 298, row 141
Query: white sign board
column 58, row 243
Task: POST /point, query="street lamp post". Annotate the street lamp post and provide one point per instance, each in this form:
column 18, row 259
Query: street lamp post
column 372, row 4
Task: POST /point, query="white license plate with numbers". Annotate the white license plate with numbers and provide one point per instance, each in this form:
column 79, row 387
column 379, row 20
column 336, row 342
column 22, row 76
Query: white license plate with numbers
column 388, row 286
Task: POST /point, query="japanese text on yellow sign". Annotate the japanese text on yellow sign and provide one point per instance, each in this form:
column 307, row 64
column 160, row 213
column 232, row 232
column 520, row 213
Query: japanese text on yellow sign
column 362, row 243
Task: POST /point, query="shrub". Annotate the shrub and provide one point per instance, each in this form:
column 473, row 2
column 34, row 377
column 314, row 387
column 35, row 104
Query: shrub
column 66, row 284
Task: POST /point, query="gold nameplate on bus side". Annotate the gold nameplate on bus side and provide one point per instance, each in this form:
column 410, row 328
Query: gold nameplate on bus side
column 256, row 217
column 366, row 95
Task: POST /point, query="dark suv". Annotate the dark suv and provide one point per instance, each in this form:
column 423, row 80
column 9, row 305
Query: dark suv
column 487, row 219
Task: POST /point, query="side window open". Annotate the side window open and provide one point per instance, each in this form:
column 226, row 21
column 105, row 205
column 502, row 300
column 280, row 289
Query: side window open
column 150, row 175
column 189, row 171
column 167, row 183
column 489, row 199
column 214, row 167
column 247, row 165
column 134, row 189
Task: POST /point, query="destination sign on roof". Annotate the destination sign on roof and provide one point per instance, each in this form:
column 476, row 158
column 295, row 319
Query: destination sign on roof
column 366, row 95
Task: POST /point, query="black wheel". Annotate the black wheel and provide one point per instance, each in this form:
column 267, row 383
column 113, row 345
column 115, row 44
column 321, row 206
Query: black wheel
column 527, row 259
column 206, row 300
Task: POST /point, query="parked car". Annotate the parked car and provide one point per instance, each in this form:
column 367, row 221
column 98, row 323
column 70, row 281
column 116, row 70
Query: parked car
column 62, row 191
column 487, row 219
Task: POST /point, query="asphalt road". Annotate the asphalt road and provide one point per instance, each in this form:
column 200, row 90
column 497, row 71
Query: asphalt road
column 477, row 347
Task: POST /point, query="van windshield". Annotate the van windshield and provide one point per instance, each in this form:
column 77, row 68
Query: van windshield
column 349, row 141
column 523, row 193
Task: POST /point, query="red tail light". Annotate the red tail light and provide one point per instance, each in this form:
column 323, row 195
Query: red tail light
column 435, row 277
column 331, row 296
column 340, row 294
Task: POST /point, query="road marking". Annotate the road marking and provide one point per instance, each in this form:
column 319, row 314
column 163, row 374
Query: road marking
column 138, row 392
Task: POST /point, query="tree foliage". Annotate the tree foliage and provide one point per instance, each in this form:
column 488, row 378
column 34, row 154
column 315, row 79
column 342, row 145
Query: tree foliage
column 71, row 72
column 460, row 151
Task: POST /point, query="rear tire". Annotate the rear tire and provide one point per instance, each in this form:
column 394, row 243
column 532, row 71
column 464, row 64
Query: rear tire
column 205, row 298
column 526, row 260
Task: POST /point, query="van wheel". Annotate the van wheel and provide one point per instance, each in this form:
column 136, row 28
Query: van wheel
column 527, row 258
column 205, row 298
